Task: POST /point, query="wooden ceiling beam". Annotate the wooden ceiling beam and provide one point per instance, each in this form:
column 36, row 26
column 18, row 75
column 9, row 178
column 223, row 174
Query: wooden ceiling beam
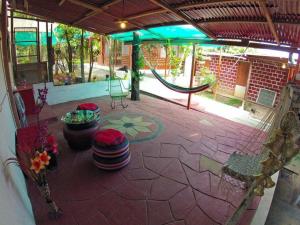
column 183, row 17
column 101, row 9
column 263, row 7
column 211, row 3
column 95, row 9
column 61, row 2
column 52, row 20
column 242, row 43
column 247, row 20
column 183, row 6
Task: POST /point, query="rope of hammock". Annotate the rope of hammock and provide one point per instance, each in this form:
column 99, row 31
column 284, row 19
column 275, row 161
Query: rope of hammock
column 174, row 87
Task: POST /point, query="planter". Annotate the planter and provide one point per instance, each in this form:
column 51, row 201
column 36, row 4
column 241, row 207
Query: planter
column 79, row 128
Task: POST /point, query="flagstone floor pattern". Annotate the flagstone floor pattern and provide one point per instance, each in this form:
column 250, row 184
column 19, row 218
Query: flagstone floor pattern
column 165, row 183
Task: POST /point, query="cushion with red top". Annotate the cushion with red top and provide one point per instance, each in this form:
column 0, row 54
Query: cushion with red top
column 109, row 137
column 87, row 106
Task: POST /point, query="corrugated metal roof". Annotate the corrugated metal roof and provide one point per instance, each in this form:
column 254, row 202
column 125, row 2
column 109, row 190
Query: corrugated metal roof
column 243, row 19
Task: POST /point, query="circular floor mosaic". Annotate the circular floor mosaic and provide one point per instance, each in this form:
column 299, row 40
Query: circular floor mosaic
column 137, row 127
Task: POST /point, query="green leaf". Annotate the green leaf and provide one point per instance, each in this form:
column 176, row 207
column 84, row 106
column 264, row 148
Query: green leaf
column 115, row 126
column 116, row 121
column 137, row 119
column 132, row 132
column 143, row 124
column 142, row 129
column 126, row 119
column 122, row 129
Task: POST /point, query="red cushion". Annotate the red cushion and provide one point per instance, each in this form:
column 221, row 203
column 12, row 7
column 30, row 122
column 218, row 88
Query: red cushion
column 109, row 137
column 87, row 106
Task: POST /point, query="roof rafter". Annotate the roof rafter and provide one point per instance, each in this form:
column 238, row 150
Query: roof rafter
column 183, row 6
column 61, row 2
column 246, row 20
column 183, row 17
column 262, row 5
column 95, row 9
column 52, row 20
column 240, row 43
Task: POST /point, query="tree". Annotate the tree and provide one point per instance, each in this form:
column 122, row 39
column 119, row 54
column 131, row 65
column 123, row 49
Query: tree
column 94, row 51
column 136, row 65
column 176, row 58
column 82, row 56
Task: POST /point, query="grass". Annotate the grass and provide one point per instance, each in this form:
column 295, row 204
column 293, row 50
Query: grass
column 223, row 99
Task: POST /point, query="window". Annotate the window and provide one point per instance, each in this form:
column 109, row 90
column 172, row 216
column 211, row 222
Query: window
column 26, row 44
column 125, row 50
column 266, row 97
column 163, row 53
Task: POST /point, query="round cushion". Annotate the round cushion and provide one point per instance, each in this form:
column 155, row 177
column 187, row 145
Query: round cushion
column 114, row 166
column 108, row 137
column 112, row 151
column 111, row 160
column 88, row 106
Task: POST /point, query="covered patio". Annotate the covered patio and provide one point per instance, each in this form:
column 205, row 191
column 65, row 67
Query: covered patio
column 177, row 155
column 173, row 176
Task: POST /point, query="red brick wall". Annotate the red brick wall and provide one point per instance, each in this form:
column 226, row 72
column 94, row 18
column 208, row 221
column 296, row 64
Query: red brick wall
column 268, row 75
column 153, row 57
column 228, row 72
column 266, row 72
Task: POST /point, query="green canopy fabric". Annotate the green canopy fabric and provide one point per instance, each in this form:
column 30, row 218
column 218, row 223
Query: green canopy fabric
column 179, row 34
column 24, row 38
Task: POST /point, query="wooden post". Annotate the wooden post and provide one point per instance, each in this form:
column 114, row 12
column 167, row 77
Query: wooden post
column 103, row 46
column 38, row 51
column 12, row 44
column 50, row 54
column 193, row 72
column 219, row 74
column 4, row 39
column 166, row 61
column 135, row 79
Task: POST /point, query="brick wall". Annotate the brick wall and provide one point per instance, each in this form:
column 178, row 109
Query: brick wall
column 228, row 72
column 153, row 57
column 266, row 72
column 268, row 75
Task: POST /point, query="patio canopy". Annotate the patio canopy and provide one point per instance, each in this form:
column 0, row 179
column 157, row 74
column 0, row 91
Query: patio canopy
column 176, row 33
column 272, row 21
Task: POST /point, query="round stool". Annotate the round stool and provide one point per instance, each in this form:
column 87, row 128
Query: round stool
column 110, row 150
column 90, row 106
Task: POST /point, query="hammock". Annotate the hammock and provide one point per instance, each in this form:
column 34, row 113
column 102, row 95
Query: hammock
column 171, row 86
column 178, row 88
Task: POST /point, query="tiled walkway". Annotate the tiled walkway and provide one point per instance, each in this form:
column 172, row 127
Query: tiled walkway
column 172, row 179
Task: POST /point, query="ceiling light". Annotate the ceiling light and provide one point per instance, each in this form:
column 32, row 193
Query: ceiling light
column 123, row 24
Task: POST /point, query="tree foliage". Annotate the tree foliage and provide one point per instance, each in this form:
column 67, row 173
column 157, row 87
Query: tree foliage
column 69, row 42
column 94, row 51
column 177, row 56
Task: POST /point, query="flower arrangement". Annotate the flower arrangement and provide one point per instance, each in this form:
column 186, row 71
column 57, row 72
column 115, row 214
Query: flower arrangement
column 36, row 154
column 35, row 161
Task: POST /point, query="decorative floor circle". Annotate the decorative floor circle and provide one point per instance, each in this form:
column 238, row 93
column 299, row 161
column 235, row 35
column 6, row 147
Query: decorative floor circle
column 137, row 127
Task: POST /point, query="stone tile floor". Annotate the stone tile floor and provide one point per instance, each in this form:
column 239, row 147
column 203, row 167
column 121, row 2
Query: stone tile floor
column 172, row 179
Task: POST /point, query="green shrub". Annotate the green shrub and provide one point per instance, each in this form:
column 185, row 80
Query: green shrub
column 208, row 77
